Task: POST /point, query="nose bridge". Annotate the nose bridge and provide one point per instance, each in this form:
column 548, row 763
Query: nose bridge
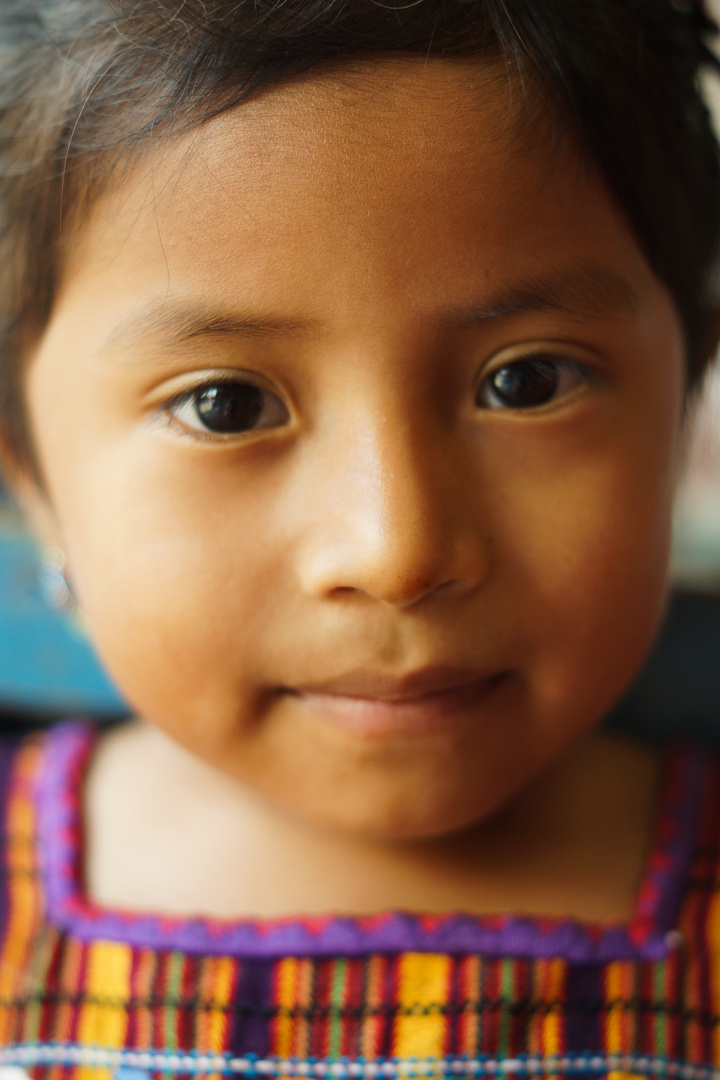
column 394, row 528
column 390, row 486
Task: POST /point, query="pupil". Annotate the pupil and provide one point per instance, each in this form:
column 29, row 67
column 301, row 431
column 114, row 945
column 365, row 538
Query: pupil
column 526, row 384
column 231, row 408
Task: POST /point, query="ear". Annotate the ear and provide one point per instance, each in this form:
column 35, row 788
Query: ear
column 30, row 497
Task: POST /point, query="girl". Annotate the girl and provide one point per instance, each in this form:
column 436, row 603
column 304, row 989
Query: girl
column 345, row 348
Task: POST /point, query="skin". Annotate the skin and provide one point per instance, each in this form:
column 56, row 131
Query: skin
column 297, row 606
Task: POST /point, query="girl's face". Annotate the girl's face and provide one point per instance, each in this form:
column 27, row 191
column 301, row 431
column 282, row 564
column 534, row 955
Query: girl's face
column 358, row 414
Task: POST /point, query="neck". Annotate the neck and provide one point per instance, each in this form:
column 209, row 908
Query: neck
column 167, row 832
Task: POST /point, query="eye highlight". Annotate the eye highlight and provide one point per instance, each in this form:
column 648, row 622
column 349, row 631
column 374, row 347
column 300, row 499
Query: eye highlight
column 226, row 407
column 530, row 382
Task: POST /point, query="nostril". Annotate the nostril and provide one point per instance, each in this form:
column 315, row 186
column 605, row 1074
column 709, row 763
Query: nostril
column 409, row 590
column 345, row 590
column 397, row 559
column 454, row 585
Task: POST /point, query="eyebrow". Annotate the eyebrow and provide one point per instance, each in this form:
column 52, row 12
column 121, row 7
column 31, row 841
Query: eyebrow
column 583, row 292
column 587, row 291
column 179, row 325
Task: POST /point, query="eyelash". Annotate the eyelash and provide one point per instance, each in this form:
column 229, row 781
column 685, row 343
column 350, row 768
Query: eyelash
column 549, row 372
column 251, row 401
column 255, row 408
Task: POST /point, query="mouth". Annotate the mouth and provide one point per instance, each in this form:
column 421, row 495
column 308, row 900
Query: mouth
column 372, row 704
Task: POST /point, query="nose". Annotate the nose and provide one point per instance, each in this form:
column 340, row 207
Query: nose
column 391, row 518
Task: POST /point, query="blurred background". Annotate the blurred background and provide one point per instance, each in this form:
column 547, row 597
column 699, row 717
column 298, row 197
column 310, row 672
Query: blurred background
column 48, row 668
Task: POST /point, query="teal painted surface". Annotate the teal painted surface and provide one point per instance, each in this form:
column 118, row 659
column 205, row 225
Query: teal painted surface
column 45, row 662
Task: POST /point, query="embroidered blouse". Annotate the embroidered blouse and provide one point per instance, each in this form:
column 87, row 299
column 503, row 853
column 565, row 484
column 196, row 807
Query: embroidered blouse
column 88, row 993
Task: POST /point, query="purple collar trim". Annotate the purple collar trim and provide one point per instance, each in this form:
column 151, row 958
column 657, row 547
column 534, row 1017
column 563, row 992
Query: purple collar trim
column 647, row 936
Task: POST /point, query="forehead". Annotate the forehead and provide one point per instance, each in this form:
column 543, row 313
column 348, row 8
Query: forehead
column 423, row 183
column 307, row 137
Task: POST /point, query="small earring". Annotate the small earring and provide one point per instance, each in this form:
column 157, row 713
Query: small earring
column 53, row 579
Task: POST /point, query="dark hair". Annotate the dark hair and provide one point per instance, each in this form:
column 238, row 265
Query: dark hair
column 85, row 85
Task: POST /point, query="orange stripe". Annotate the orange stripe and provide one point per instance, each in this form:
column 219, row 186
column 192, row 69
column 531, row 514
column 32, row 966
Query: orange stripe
column 217, row 982
column 143, row 984
column 372, row 1024
column 620, row 1024
column 471, row 1020
column 692, row 1036
column 615, row 1022
column 224, row 984
column 69, row 981
column 301, row 1034
column 70, row 964
column 552, row 1025
column 285, row 995
column 23, row 887
column 540, row 992
column 205, row 989
column 713, row 936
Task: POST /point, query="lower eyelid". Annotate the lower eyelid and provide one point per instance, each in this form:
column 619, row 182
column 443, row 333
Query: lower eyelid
column 272, row 403
column 564, row 365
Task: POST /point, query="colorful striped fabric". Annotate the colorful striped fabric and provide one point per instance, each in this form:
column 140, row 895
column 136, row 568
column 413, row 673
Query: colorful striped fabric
column 87, row 994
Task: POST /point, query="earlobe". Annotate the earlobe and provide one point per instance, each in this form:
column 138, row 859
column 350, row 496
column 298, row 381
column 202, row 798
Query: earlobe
column 38, row 512
column 31, row 499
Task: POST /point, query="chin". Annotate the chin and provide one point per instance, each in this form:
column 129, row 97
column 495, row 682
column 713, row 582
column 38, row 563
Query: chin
column 395, row 816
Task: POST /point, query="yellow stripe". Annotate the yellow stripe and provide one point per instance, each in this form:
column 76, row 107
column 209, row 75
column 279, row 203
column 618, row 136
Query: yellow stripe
column 423, row 983
column 552, row 1026
column 103, row 1021
column 287, row 977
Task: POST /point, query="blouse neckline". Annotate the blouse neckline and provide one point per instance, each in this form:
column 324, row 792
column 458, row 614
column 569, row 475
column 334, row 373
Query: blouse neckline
column 647, row 935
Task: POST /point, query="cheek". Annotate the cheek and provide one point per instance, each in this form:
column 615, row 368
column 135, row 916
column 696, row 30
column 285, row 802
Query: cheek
column 188, row 580
column 586, row 541
column 175, row 579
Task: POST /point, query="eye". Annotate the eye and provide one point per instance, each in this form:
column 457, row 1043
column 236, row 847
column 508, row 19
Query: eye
column 529, row 382
column 228, row 408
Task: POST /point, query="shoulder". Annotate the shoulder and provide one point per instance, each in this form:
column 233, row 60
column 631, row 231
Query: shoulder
column 34, row 763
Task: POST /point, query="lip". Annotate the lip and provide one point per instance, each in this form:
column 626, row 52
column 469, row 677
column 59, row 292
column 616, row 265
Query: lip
column 374, row 704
